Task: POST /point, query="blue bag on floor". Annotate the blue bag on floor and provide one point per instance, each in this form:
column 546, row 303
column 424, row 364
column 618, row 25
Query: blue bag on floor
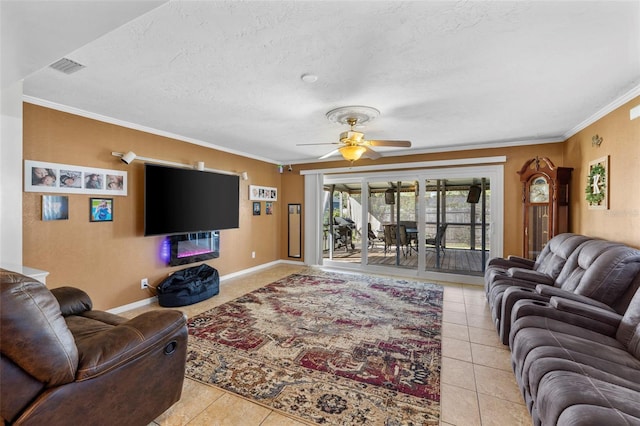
column 189, row 286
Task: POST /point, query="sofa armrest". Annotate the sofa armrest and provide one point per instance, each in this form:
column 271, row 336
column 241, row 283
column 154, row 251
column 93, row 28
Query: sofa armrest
column 530, row 275
column 549, row 291
column 109, row 348
column 72, row 301
column 522, row 261
column 509, row 299
column 606, row 316
column 501, row 262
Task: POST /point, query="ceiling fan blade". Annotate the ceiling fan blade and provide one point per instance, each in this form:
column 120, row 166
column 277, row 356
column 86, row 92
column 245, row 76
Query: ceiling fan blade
column 400, row 144
column 369, row 153
column 329, row 154
column 321, row 143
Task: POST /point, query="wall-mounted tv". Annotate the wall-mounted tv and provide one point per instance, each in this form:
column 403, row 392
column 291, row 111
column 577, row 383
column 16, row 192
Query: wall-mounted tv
column 181, row 201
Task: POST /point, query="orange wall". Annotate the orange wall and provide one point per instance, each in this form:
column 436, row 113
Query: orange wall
column 621, row 142
column 108, row 259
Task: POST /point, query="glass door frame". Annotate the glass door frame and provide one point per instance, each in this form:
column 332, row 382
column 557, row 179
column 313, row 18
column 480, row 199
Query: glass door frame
column 495, row 174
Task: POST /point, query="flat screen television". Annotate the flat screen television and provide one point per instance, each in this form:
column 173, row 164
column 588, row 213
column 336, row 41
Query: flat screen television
column 182, row 201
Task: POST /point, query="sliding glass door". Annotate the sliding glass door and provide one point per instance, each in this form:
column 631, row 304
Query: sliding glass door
column 420, row 222
column 342, row 221
column 457, row 217
column 392, row 219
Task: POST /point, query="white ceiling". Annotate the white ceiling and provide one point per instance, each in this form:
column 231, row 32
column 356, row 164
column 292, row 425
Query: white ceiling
column 445, row 75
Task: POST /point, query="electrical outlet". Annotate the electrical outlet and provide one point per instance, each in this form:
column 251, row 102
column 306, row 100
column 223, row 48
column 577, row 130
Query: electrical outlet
column 144, row 283
column 253, row 254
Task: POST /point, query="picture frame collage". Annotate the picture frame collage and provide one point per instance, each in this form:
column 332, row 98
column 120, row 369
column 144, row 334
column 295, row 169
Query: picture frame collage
column 51, row 178
column 262, row 193
column 47, row 177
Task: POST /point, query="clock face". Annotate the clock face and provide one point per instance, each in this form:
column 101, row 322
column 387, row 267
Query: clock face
column 539, row 191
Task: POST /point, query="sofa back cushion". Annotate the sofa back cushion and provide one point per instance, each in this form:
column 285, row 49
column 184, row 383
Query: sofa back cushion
column 609, row 275
column 555, row 254
column 35, row 335
column 601, row 270
column 574, row 267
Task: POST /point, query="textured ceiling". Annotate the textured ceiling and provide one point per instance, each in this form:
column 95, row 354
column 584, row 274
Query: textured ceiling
column 445, row 75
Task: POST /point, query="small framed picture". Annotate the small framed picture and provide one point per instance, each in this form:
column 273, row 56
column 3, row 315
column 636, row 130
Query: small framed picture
column 55, row 207
column 597, row 189
column 93, row 180
column 70, row 178
column 268, row 207
column 101, row 209
column 256, row 208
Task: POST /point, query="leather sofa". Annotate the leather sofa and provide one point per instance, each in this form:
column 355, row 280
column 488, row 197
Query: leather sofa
column 595, row 271
column 577, row 364
column 62, row 363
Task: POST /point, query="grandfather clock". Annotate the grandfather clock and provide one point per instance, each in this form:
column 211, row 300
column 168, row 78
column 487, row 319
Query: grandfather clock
column 545, row 203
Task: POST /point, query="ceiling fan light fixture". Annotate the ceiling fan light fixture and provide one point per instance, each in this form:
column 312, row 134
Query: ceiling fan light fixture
column 352, row 152
column 351, row 136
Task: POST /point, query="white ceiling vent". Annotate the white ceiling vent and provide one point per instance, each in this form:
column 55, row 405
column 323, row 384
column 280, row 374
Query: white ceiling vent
column 66, row 66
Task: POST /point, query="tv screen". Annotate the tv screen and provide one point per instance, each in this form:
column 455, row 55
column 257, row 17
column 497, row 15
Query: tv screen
column 181, row 201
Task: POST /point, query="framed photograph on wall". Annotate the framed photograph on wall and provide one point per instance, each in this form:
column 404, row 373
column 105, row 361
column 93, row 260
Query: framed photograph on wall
column 101, row 209
column 70, row 178
column 55, row 207
column 93, row 180
column 40, row 176
column 268, row 207
column 263, row 193
column 256, row 208
column 597, row 189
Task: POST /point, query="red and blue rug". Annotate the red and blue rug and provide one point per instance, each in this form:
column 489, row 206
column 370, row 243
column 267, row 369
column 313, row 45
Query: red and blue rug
column 328, row 348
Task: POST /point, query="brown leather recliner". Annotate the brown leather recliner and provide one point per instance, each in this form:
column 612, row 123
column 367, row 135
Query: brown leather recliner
column 62, row 363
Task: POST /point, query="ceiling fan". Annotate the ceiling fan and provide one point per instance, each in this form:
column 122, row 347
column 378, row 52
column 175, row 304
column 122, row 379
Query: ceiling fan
column 353, row 144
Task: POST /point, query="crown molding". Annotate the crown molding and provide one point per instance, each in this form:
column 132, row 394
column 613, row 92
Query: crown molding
column 630, row 95
column 617, row 103
column 129, row 125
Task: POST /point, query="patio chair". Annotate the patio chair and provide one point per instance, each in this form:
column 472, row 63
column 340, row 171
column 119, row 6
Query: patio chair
column 391, row 238
column 372, row 237
column 436, row 242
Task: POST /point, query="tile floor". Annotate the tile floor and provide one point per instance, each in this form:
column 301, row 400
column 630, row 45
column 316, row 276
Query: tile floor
column 477, row 384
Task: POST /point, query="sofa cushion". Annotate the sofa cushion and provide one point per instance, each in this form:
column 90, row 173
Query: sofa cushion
column 571, row 338
column 601, row 369
column 583, row 415
column 103, row 347
column 549, row 263
column 43, row 346
column 601, row 270
column 560, row 249
column 560, row 390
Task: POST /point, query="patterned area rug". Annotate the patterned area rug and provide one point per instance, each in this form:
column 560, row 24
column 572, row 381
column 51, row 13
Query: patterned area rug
column 328, row 348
